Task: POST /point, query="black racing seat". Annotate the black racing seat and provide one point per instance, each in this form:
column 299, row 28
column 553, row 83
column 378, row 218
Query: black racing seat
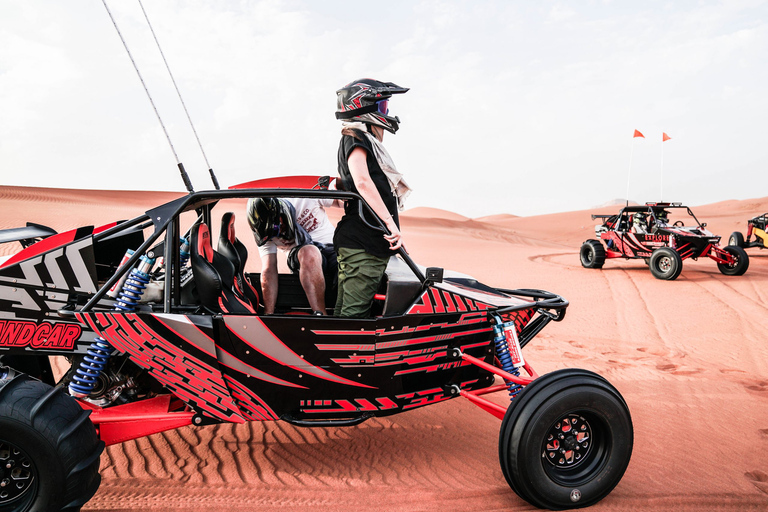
column 214, row 275
column 234, row 250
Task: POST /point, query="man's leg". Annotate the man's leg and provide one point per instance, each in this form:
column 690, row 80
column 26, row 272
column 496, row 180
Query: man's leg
column 311, row 276
column 359, row 276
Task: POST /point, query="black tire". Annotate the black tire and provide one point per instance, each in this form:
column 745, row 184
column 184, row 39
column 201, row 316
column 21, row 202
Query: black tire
column 740, row 266
column 540, row 411
column 665, row 264
column 52, row 448
column 736, row 239
column 592, row 254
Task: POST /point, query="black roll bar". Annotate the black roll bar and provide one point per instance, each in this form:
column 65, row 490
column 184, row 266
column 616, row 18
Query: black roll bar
column 543, row 301
column 163, row 215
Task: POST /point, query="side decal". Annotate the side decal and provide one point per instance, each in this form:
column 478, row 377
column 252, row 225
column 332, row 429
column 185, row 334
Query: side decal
column 46, row 335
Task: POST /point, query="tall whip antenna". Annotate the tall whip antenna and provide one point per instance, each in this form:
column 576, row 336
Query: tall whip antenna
column 210, row 169
column 184, row 175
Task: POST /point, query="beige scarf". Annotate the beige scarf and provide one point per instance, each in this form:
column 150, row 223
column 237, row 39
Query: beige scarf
column 397, row 184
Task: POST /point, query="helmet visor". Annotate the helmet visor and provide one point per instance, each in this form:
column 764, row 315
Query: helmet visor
column 383, row 106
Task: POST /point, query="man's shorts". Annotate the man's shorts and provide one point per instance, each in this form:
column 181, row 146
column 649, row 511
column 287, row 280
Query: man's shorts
column 330, row 265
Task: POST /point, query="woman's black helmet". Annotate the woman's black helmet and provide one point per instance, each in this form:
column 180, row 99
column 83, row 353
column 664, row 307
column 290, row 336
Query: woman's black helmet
column 367, row 100
column 270, row 217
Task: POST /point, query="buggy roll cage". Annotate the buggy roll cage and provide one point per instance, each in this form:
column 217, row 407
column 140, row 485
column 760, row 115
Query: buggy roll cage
column 165, row 219
column 760, row 221
column 650, row 208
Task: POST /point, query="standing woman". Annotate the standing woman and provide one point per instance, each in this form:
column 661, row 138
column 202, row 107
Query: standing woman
column 366, row 168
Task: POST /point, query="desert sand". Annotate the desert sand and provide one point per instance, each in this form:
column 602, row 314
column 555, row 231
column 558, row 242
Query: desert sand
column 689, row 356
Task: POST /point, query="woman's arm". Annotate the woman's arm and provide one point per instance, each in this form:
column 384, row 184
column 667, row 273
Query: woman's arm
column 358, row 168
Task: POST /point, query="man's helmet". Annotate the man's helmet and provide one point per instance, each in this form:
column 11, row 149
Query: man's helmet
column 270, row 217
column 367, row 100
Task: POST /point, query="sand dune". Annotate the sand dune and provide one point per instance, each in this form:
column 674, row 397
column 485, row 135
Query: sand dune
column 690, row 357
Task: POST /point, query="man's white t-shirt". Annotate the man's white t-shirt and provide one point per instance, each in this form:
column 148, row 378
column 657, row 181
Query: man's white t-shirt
column 310, row 214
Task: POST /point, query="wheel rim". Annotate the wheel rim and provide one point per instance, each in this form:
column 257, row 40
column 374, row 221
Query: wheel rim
column 665, row 264
column 586, row 255
column 568, row 442
column 17, row 473
column 574, row 448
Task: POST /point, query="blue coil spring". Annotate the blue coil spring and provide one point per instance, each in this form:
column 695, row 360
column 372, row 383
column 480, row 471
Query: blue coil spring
column 97, row 355
column 84, row 380
column 132, row 290
column 502, row 352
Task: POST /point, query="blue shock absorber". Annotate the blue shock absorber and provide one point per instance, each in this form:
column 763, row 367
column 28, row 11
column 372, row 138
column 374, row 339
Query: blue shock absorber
column 94, row 362
column 502, row 352
column 183, row 252
column 134, row 286
column 97, row 355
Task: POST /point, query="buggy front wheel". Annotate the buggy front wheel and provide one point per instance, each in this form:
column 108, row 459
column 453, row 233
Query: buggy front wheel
column 566, row 440
column 740, row 262
column 665, row 264
column 592, row 254
column 736, row 239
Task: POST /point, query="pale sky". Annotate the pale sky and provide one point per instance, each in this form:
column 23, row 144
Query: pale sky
column 515, row 107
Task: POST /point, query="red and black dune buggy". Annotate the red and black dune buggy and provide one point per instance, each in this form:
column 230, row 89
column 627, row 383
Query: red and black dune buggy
column 755, row 226
column 164, row 331
column 658, row 234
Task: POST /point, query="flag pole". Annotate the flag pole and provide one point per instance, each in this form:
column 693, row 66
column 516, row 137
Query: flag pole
column 631, row 151
column 661, row 175
column 629, row 174
column 664, row 138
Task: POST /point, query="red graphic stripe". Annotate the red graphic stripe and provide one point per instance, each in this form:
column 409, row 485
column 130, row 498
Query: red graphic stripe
column 439, row 306
column 293, row 359
column 251, row 405
column 187, row 377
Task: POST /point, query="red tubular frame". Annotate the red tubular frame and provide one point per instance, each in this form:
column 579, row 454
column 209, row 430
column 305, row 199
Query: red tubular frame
column 721, row 256
column 137, row 419
column 485, row 404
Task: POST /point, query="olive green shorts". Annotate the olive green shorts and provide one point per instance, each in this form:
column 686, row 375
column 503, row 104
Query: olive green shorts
column 359, row 276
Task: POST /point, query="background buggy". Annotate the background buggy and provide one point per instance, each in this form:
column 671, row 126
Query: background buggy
column 755, row 226
column 657, row 233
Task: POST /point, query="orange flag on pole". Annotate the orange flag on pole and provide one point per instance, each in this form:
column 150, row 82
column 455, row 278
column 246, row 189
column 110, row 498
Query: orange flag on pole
column 665, row 137
column 638, row 134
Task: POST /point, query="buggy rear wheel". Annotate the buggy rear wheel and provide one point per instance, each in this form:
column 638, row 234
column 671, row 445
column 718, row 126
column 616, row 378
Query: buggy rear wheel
column 665, row 264
column 49, row 451
column 592, row 254
column 736, row 239
column 740, row 263
column 566, row 440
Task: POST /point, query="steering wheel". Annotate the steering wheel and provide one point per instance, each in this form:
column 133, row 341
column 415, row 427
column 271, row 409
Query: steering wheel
column 679, row 224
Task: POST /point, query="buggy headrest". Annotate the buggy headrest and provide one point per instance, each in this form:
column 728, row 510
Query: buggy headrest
column 228, row 226
column 201, row 241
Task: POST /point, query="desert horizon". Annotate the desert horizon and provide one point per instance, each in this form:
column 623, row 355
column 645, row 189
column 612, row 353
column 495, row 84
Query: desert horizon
column 689, row 356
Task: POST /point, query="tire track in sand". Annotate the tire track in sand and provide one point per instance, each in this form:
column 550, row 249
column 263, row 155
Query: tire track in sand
column 749, row 317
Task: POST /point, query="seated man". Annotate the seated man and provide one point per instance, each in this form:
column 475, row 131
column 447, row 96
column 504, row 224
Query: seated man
column 301, row 227
column 639, row 223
